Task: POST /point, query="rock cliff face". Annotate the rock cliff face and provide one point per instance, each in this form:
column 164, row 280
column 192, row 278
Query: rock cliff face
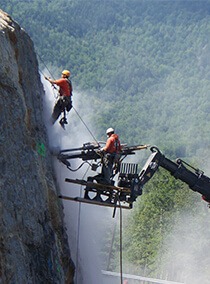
column 34, row 247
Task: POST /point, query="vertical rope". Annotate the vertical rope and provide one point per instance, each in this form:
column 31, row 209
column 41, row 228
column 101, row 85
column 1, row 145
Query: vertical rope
column 78, row 228
column 111, row 247
column 44, row 65
column 121, row 268
column 86, row 125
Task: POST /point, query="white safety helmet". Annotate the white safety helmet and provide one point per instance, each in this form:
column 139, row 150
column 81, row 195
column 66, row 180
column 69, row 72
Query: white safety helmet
column 110, row 130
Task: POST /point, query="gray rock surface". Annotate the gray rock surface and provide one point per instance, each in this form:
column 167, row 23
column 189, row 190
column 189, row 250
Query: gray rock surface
column 34, row 246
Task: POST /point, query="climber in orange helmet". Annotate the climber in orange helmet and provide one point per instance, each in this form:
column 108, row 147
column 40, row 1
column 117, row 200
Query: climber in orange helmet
column 64, row 102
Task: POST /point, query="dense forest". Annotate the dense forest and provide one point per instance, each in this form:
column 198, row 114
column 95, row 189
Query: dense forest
column 145, row 62
column 144, row 66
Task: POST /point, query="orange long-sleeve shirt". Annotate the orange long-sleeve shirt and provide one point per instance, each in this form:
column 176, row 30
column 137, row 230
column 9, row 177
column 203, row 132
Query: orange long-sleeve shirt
column 112, row 144
column 65, row 87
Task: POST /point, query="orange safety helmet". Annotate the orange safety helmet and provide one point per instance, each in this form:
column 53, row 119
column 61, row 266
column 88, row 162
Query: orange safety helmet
column 66, row 72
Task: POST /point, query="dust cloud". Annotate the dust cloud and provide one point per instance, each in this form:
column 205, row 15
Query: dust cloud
column 86, row 224
column 185, row 251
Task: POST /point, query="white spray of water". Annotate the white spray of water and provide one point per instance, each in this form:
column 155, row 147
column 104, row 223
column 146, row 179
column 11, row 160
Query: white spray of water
column 187, row 246
column 86, row 224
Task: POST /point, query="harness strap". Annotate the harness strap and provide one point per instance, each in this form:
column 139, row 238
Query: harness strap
column 70, row 86
column 117, row 145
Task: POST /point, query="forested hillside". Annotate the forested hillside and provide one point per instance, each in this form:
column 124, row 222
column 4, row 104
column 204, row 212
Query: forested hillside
column 144, row 66
column 145, row 62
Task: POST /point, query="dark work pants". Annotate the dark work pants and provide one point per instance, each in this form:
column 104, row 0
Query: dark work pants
column 61, row 105
column 107, row 167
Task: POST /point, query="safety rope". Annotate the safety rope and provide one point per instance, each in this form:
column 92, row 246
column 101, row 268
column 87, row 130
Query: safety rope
column 44, row 65
column 78, row 233
column 121, row 268
column 86, row 126
column 53, row 86
column 78, row 227
column 112, row 243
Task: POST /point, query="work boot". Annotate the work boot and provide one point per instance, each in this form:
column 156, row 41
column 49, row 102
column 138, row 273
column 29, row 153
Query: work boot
column 63, row 121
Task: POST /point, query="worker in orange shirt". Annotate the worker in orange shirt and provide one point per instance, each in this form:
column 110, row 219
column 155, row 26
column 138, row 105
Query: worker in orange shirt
column 111, row 154
column 64, row 102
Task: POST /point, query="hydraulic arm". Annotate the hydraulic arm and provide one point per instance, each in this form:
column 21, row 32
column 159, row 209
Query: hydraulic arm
column 195, row 178
column 130, row 182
